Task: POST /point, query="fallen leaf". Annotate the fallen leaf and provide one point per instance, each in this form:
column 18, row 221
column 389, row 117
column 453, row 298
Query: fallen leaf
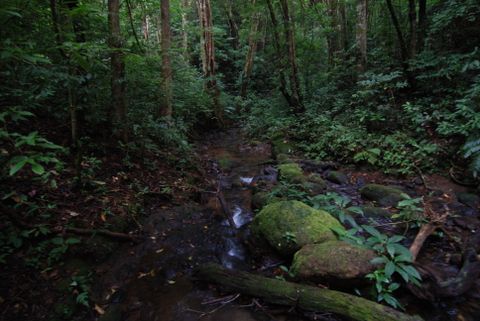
column 99, row 310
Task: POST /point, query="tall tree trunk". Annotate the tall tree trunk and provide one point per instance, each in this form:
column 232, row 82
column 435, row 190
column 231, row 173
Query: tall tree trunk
column 333, row 34
column 361, row 34
column 412, row 19
column 289, row 25
column 118, row 69
column 279, row 53
column 232, row 24
column 208, row 56
column 402, row 44
column 252, row 48
column 343, row 27
column 422, row 23
column 185, row 5
column 166, row 103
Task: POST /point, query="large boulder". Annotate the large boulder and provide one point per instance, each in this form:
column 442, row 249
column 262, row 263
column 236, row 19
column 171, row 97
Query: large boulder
column 337, row 177
column 383, row 195
column 289, row 225
column 260, row 199
column 332, row 260
column 291, row 173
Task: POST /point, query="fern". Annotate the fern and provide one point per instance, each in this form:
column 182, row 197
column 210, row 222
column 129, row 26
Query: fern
column 471, row 150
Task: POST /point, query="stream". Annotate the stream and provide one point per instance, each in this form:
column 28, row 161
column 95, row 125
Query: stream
column 152, row 280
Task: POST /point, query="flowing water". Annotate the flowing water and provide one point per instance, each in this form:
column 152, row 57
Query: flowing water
column 152, row 280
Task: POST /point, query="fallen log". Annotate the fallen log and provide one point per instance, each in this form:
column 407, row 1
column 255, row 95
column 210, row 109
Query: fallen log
column 303, row 296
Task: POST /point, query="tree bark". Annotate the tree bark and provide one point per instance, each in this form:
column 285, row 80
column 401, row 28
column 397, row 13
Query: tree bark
column 252, row 48
column 289, row 25
column 208, row 56
column 166, row 103
column 185, row 4
column 422, row 23
column 402, row 44
column 303, row 296
column 118, row 82
column 279, row 54
column 361, row 34
column 412, row 20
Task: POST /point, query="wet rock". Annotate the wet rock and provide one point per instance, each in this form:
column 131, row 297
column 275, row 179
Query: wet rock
column 114, row 313
column 383, row 195
column 332, row 260
column 313, row 189
column 469, row 199
column 288, row 225
column 373, row 211
column 291, row 173
column 337, row 177
column 317, row 179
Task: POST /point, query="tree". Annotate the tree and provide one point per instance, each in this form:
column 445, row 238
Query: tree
column 252, row 48
column 118, row 82
column 293, row 97
column 412, row 20
column 361, row 34
column 208, row 56
column 166, row 103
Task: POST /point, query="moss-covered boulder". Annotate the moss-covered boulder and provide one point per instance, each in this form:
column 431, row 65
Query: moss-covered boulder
column 313, row 189
column 283, row 159
column 383, row 195
column 332, row 260
column 317, row 179
column 337, row 177
column 260, row 199
column 291, row 172
column 289, row 225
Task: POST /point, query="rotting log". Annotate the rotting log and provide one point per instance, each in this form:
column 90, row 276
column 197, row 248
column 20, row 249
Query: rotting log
column 303, row 296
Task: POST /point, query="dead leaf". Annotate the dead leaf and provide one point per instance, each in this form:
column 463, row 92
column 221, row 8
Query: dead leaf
column 99, row 310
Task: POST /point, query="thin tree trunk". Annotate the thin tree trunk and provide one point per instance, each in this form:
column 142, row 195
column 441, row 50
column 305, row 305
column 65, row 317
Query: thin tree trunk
column 185, row 5
column 343, row 28
column 401, row 40
column 129, row 9
column 402, row 44
column 118, row 87
column 361, row 34
column 422, row 23
column 75, row 114
column 412, row 18
column 289, row 26
column 234, row 34
column 166, row 104
column 278, row 50
column 252, row 48
column 208, row 56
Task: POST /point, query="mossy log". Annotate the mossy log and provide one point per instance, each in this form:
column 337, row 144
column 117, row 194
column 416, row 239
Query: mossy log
column 303, row 296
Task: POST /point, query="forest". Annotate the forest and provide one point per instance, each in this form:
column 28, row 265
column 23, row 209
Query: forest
column 240, row 160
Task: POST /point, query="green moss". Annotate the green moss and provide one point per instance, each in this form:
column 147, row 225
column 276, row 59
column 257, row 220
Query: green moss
column 283, row 159
column 337, row 177
column 291, row 172
column 288, row 225
column 333, row 259
column 281, row 146
column 260, row 199
column 383, row 195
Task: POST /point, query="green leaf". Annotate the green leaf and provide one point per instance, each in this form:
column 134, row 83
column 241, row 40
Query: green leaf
column 379, row 260
column 37, row 168
column 389, row 269
column 396, row 238
column 19, row 162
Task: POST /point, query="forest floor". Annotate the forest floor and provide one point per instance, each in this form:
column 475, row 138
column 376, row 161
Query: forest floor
column 200, row 214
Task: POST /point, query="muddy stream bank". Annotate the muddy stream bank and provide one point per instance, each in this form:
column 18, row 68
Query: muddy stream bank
column 152, row 280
